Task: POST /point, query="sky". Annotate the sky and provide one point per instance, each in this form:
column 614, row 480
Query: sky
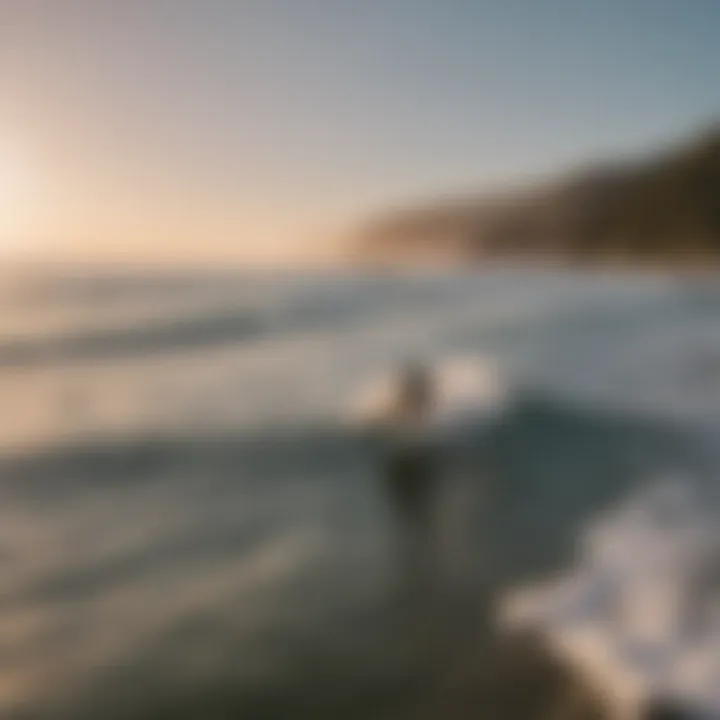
column 258, row 128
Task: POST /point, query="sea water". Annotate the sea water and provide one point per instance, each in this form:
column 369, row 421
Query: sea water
column 188, row 529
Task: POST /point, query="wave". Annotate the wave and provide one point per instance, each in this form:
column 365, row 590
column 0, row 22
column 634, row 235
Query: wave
column 156, row 336
column 640, row 611
column 105, row 287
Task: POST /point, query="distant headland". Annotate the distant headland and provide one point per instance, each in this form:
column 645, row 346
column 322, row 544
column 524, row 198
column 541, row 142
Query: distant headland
column 663, row 209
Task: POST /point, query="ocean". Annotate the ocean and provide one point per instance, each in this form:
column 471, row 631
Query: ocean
column 189, row 529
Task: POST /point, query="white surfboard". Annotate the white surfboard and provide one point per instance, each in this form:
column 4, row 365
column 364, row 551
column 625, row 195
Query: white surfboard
column 470, row 392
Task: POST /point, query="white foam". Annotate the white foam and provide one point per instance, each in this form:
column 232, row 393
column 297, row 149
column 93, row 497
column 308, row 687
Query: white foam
column 640, row 613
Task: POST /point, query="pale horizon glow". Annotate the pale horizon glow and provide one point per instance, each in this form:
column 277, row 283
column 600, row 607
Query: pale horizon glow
column 262, row 129
column 20, row 199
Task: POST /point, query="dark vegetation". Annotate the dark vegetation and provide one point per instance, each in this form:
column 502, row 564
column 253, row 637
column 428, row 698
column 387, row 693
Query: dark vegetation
column 664, row 208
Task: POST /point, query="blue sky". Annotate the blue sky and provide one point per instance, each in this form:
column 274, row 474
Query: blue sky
column 265, row 120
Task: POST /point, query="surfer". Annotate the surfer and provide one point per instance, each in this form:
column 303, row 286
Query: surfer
column 410, row 472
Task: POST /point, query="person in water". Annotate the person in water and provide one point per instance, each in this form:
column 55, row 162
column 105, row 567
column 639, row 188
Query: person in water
column 410, row 465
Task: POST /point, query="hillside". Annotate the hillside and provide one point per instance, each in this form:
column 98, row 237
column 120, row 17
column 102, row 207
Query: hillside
column 662, row 208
